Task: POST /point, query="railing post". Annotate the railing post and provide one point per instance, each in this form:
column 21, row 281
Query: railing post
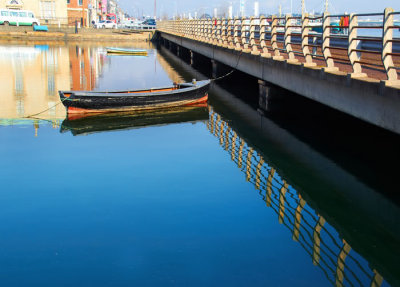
column 258, row 172
column 268, row 195
column 341, row 264
column 282, row 201
column 209, row 30
column 228, row 129
column 297, row 222
column 233, row 146
column 354, row 55
column 245, row 31
column 263, row 43
column 253, row 44
column 377, row 280
column 305, row 30
column 387, row 48
column 288, row 39
column 224, row 32
column 326, row 33
column 236, row 38
column 274, row 39
column 248, row 163
column 231, row 33
column 317, row 240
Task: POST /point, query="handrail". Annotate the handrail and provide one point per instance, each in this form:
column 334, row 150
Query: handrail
column 280, row 37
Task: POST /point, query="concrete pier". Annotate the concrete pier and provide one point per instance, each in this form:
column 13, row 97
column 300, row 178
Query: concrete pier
column 364, row 98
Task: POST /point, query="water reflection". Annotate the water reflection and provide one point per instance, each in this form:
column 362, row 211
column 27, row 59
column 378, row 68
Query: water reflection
column 327, row 248
column 32, row 75
column 128, row 120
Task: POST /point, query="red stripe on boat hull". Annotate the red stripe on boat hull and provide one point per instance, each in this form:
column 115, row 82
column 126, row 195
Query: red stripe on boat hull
column 202, row 102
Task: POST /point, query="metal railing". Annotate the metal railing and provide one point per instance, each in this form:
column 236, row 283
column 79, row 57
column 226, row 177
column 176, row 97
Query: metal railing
column 322, row 41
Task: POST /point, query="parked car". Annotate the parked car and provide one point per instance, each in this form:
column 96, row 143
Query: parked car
column 105, row 24
column 148, row 24
column 18, row 17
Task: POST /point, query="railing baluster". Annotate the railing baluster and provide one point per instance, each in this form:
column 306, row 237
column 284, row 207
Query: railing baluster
column 248, row 163
column 326, row 33
column 341, row 264
column 240, row 158
column 263, row 42
column 282, row 199
column 268, row 195
column 288, row 39
column 274, row 39
column 233, row 151
column 317, row 240
column 387, row 48
column 297, row 222
column 377, row 280
column 354, row 44
column 305, row 30
column 258, row 172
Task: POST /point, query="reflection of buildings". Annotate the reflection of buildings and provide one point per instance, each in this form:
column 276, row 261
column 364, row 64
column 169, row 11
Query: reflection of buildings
column 85, row 65
column 31, row 76
column 327, row 249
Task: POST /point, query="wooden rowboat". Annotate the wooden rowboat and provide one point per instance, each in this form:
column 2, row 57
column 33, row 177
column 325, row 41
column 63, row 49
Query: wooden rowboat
column 123, row 51
column 186, row 94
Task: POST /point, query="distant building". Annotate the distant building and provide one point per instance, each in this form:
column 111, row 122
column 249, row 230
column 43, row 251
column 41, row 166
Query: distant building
column 47, row 11
column 78, row 11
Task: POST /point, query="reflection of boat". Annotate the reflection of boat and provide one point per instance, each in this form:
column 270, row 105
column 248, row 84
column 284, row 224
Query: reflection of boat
column 102, row 102
column 124, row 51
column 130, row 120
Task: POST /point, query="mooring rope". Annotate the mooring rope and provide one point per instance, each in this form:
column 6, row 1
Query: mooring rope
column 31, row 116
column 228, row 74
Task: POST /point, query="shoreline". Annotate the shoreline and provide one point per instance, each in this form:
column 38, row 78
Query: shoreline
column 68, row 34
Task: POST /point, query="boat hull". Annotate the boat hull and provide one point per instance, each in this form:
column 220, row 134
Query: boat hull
column 92, row 102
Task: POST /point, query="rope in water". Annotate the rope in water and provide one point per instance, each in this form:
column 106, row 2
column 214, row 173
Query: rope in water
column 228, row 74
column 31, row 116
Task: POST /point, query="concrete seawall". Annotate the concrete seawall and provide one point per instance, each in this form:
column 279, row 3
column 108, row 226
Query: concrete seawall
column 68, row 34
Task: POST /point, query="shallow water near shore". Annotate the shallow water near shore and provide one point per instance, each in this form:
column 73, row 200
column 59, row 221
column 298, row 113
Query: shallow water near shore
column 184, row 197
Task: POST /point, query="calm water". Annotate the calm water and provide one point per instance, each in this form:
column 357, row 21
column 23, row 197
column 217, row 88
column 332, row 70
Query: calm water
column 216, row 196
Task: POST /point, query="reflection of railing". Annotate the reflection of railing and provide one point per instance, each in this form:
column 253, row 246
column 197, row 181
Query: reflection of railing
column 326, row 40
column 320, row 240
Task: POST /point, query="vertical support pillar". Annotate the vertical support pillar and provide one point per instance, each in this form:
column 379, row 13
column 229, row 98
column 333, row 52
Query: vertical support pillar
column 326, row 33
column 341, row 264
column 214, row 64
column 191, row 58
column 178, row 52
column 282, row 200
column 268, row 195
column 263, row 95
column 317, row 240
column 297, row 221
column 387, row 48
column 354, row 45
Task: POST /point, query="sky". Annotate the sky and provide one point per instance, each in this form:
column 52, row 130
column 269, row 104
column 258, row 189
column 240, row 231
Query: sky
column 173, row 7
